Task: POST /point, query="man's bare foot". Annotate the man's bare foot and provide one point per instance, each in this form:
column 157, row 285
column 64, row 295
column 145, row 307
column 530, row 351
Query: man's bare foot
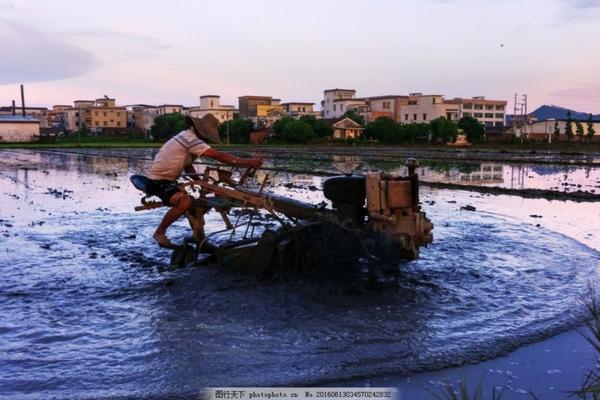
column 163, row 240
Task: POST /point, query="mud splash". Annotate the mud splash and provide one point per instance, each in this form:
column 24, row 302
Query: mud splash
column 89, row 309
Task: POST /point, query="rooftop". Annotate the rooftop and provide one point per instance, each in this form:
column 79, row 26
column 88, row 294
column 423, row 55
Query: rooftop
column 255, row 97
column 18, row 119
column 339, row 90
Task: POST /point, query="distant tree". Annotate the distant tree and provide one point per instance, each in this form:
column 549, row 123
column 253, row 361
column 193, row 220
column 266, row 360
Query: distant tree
column 297, row 131
column 444, row 130
column 474, row 130
column 354, row 116
column 590, row 128
column 239, row 130
column 323, row 129
column 569, row 126
column 579, row 130
column 556, row 130
column 280, row 125
column 416, row 131
column 167, row 125
column 385, row 130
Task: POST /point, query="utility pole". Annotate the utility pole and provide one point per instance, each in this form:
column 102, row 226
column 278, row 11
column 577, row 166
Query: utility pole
column 227, row 129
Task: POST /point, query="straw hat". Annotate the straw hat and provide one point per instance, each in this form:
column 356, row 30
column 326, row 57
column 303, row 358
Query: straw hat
column 206, row 127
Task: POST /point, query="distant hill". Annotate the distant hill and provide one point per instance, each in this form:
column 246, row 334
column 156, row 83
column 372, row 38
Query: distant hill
column 549, row 111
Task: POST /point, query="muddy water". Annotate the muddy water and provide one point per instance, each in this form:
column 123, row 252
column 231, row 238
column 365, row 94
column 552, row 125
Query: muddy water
column 89, row 307
column 561, row 176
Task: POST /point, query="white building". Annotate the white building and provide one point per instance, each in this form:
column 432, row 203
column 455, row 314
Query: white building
column 211, row 104
column 425, row 108
column 336, row 102
column 16, row 128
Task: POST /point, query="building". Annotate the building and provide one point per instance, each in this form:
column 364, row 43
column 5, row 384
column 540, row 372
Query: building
column 543, row 131
column 211, row 104
column 297, row 109
column 262, row 110
column 336, row 101
column 104, row 114
column 39, row 113
column 146, row 116
column 491, row 113
column 16, row 128
column 169, row 109
column 384, row 106
column 347, row 129
column 57, row 116
column 425, row 108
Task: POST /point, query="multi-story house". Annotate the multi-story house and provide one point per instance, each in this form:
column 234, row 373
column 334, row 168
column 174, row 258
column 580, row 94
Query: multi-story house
column 424, row 108
column 336, row 101
column 104, row 114
column 262, row 110
column 491, row 113
column 211, row 104
column 297, row 108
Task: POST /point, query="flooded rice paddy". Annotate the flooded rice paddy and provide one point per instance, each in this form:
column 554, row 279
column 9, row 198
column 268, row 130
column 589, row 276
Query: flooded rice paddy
column 89, row 307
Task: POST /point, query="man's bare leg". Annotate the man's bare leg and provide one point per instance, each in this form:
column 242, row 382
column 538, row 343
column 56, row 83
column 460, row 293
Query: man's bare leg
column 181, row 203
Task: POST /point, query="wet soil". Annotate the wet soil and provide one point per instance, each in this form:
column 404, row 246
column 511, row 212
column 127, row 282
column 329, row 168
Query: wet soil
column 89, row 307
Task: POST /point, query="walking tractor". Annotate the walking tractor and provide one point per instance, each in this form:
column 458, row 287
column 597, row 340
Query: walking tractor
column 374, row 220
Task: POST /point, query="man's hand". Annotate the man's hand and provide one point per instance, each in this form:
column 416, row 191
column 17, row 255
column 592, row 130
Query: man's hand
column 254, row 163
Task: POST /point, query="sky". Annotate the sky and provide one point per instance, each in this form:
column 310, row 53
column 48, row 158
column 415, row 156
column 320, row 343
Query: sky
column 173, row 52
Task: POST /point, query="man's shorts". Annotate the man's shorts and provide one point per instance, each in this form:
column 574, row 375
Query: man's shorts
column 163, row 189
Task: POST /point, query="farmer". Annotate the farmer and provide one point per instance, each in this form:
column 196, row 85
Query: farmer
column 176, row 156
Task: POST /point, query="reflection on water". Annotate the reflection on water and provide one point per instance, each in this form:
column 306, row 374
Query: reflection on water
column 85, row 291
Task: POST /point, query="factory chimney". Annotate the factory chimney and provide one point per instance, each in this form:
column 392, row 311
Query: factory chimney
column 22, row 100
column 14, row 111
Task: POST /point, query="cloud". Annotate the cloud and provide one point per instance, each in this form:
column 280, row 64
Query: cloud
column 29, row 55
column 581, row 3
column 589, row 92
column 118, row 46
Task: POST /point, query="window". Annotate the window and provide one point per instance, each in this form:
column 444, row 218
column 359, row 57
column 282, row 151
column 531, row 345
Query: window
column 104, row 123
column 341, row 107
column 424, row 117
column 478, row 107
column 414, row 117
column 112, row 120
column 466, row 114
column 386, row 105
column 500, row 116
column 489, row 115
column 468, row 106
column 104, row 113
column 119, row 114
column 433, row 100
column 334, row 107
column 118, row 123
column 77, row 114
column 499, row 107
column 96, row 123
column 211, row 103
column 489, row 107
column 406, row 117
column 478, row 115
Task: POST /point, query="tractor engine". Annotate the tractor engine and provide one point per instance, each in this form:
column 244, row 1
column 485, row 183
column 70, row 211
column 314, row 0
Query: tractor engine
column 394, row 224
